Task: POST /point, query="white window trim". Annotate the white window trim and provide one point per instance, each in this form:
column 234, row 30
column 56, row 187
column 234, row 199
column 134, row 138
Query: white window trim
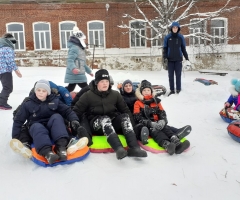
column 24, row 42
column 225, row 27
column 136, row 20
column 157, row 46
column 59, row 31
column 104, row 34
column 205, row 27
column 50, row 35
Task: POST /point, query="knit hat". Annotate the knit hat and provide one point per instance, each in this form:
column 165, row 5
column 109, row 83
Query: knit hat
column 145, row 84
column 100, row 75
column 43, row 84
column 126, row 82
column 10, row 37
column 80, row 35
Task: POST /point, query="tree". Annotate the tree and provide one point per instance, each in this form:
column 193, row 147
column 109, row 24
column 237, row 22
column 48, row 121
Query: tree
column 186, row 12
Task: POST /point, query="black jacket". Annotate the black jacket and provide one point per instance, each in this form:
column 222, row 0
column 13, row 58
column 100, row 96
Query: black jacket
column 95, row 103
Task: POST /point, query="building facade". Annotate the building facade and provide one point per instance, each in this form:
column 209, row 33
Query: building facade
column 42, row 29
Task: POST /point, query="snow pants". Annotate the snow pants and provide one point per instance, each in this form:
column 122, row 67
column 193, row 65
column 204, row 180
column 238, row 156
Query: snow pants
column 174, row 67
column 7, row 87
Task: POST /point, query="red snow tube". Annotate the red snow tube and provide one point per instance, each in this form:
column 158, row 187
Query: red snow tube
column 234, row 130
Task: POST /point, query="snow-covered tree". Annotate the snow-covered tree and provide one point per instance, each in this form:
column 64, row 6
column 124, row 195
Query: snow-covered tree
column 186, row 12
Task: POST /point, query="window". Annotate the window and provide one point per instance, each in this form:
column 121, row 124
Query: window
column 42, row 36
column 17, row 29
column 197, row 27
column 96, row 34
column 136, row 40
column 218, row 31
column 65, row 32
column 156, row 42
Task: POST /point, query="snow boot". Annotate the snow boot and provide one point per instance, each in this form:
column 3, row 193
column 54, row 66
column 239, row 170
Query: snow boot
column 5, row 107
column 180, row 147
column 76, row 144
column 183, row 132
column 61, row 152
column 136, row 152
column 116, row 144
column 168, row 146
column 51, row 157
column 144, row 135
column 171, row 92
column 82, row 132
column 23, row 148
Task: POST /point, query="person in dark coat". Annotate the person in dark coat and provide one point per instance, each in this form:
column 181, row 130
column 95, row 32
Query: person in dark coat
column 76, row 61
column 149, row 112
column 45, row 114
column 107, row 113
column 174, row 48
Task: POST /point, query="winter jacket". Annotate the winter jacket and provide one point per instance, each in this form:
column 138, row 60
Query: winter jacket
column 95, row 103
column 76, row 60
column 233, row 100
column 79, row 94
column 174, row 45
column 62, row 92
column 129, row 98
column 148, row 108
column 7, row 56
column 33, row 110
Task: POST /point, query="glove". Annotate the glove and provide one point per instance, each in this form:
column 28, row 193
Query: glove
column 75, row 125
column 165, row 60
column 227, row 105
column 161, row 123
column 75, row 71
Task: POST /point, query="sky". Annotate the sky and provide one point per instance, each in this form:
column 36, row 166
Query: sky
column 208, row 170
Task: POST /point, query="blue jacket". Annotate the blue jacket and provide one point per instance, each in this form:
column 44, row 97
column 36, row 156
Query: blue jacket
column 174, row 46
column 233, row 100
column 7, row 56
column 64, row 94
column 34, row 110
column 76, row 59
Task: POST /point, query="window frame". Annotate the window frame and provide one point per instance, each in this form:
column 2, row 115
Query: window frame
column 158, row 41
column 225, row 21
column 17, row 32
column 142, row 29
column 50, row 36
column 191, row 38
column 65, row 34
column 103, row 31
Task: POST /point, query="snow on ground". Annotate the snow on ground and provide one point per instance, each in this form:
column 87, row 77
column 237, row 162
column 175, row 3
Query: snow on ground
column 209, row 170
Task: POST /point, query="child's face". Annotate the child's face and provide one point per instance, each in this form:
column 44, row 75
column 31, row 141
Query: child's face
column 41, row 94
column 128, row 88
column 103, row 85
column 146, row 92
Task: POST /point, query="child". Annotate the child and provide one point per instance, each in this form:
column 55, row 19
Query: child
column 149, row 112
column 234, row 97
column 45, row 115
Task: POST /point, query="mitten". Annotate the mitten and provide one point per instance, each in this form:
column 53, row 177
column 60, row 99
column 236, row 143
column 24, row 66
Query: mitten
column 227, row 105
column 146, row 123
column 161, row 123
column 75, row 71
column 154, row 125
column 75, row 125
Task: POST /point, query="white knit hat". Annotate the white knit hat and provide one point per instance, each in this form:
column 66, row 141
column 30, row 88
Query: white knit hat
column 80, row 35
column 43, row 84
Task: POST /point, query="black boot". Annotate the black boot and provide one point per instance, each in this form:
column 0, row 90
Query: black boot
column 82, row 132
column 180, row 147
column 144, row 135
column 168, row 146
column 116, row 144
column 184, row 131
column 61, row 152
column 171, row 92
column 51, row 157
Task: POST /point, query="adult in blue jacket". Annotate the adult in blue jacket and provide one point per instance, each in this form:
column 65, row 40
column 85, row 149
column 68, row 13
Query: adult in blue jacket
column 174, row 48
column 76, row 61
column 7, row 65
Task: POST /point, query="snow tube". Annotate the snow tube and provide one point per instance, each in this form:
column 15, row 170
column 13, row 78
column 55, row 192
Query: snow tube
column 77, row 156
column 229, row 114
column 234, row 130
column 153, row 147
column 100, row 144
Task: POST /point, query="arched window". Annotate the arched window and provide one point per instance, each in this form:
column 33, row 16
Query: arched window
column 17, row 30
column 42, row 36
column 65, row 30
column 96, row 34
column 140, row 29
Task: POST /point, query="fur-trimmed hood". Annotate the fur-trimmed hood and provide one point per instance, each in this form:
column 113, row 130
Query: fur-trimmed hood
column 140, row 96
column 233, row 91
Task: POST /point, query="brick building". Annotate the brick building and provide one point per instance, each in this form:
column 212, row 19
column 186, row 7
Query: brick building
column 42, row 28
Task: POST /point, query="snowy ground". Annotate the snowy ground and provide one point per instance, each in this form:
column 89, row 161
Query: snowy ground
column 209, row 170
